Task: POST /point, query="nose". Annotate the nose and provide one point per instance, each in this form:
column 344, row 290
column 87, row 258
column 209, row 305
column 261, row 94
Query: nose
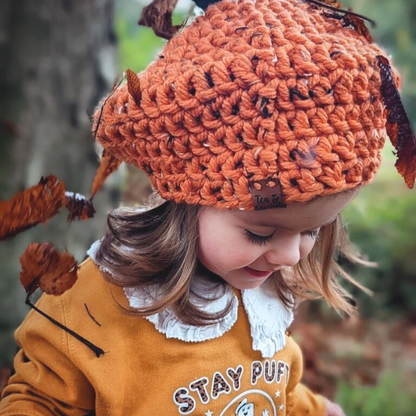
column 285, row 251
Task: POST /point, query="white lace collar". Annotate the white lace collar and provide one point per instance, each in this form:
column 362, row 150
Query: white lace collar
column 267, row 315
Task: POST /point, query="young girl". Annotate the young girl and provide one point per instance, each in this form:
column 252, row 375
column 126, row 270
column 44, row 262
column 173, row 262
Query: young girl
column 257, row 125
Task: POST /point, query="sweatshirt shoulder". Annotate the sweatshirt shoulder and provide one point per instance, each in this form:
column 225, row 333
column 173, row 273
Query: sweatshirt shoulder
column 90, row 285
column 91, row 299
column 93, row 308
column 92, row 292
column 89, row 270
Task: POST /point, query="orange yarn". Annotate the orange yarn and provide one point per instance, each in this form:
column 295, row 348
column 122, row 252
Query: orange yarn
column 253, row 91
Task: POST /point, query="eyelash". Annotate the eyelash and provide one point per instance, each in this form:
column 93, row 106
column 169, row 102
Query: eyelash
column 263, row 240
column 258, row 239
column 313, row 234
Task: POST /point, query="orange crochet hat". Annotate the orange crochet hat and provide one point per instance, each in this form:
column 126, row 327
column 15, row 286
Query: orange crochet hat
column 274, row 94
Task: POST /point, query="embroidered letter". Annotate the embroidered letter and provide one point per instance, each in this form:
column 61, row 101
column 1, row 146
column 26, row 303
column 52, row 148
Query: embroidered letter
column 199, row 387
column 256, row 371
column 269, row 376
column 281, row 366
column 287, row 374
column 185, row 402
column 235, row 376
column 219, row 386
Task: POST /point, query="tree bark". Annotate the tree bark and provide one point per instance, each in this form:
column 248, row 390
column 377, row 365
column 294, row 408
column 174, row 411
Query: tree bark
column 56, row 62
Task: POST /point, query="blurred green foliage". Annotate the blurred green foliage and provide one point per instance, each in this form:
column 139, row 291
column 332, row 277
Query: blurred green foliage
column 387, row 398
column 137, row 45
column 382, row 223
column 382, row 219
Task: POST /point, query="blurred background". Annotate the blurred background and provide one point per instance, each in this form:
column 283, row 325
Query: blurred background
column 58, row 58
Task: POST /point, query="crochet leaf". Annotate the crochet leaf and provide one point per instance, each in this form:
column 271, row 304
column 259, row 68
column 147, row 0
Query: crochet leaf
column 158, row 16
column 109, row 164
column 133, row 85
column 43, row 266
column 398, row 125
column 358, row 24
column 79, row 208
column 31, row 206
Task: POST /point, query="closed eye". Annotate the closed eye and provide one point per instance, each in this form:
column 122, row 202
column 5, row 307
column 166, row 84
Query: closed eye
column 264, row 239
column 258, row 239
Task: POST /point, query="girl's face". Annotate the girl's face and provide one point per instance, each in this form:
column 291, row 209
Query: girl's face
column 245, row 247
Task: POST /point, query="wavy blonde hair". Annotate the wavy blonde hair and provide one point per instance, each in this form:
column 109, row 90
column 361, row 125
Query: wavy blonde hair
column 158, row 248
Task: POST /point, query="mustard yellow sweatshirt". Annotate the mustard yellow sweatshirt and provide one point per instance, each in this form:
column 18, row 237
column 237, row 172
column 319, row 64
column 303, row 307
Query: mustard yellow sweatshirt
column 142, row 372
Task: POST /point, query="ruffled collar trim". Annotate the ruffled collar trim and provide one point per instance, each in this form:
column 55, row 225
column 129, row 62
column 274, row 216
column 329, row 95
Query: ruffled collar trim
column 269, row 318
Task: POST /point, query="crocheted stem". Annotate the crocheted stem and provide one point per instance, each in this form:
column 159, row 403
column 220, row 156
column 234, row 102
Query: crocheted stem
column 336, row 9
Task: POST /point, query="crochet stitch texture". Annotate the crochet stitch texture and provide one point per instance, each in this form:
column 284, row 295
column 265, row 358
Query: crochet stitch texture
column 271, row 90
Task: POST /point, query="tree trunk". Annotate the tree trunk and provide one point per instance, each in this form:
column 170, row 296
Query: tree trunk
column 56, row 62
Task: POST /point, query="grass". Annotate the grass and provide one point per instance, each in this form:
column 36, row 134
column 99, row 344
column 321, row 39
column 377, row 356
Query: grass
column 388, row 398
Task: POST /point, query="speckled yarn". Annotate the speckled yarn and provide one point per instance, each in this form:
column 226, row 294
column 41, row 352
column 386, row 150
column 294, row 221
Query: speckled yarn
column 253, row 91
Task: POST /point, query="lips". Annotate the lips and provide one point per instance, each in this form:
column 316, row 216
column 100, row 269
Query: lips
column 257, row 273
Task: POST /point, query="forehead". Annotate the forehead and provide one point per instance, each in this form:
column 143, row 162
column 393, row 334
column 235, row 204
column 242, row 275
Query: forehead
column 297, row 215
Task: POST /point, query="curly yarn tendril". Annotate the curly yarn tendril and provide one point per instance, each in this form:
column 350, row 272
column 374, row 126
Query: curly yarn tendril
column 253, row 91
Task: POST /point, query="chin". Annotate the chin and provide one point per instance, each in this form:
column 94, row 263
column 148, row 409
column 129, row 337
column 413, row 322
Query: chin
column 251, row 284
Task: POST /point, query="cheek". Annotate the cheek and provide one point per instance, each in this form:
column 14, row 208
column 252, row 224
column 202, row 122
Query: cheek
column 210, row 249
column 220, row 250
column 206, row 249
column 224, row 250
column 306, row 247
